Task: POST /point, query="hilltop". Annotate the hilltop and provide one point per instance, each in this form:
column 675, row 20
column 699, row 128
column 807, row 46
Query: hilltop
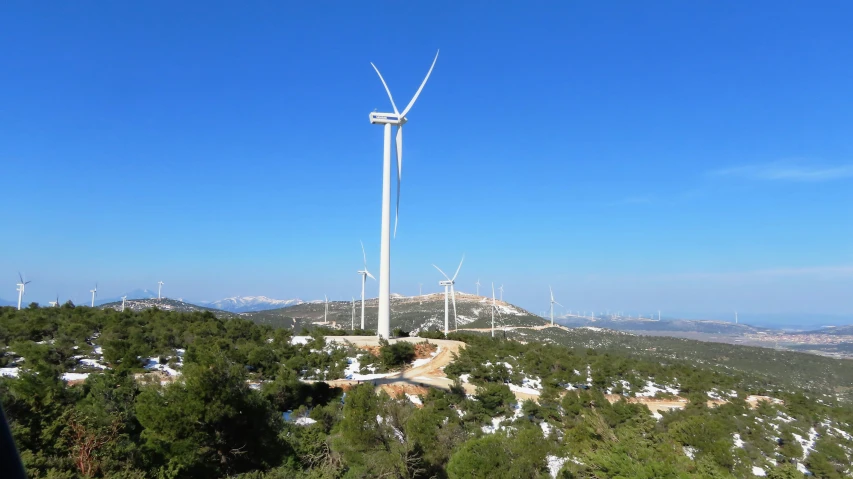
column 165, row 304
column 409, row 313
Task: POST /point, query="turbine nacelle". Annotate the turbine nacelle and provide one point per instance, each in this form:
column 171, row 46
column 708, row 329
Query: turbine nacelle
column 446, row 283
column 389, row 118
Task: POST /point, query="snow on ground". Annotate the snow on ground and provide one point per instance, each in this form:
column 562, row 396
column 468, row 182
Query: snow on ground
column 738, row 440
column 98, row 350
column 525, row 390
column 496, row 425
column 555, row 464
column 353, row 368
column 546, row 428
column 465, row 378
column 657, row 415
column 593, row 328
column 422, row 361
column 92, row 363
column 74, row 376
column 689, row 451
column 153, row 364
column 652, row 389
column 415, row 399
column 304, row 421
column 300, row 340
column 10, row 372
column 757, row 471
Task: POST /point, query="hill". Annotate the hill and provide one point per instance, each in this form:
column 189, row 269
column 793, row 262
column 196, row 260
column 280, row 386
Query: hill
column 677, row 325
column 164, row 304
column 833, row 330
column 409, row 313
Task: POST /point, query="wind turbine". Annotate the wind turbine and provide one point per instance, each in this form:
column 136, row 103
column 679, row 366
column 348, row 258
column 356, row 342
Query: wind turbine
column 387, row 120
column 420, row 293
column 94, row 293
column 123, row 300
column 502, row 292
column 54, row 304
column 478, row 286
column 352, row 323
column 159, row 288
column 21, row 286
column 449, row 285
column 553, row 302
column 364, row 274
column 326, row 313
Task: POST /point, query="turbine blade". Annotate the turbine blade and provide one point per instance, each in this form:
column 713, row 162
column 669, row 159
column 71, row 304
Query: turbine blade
column 369, row 275
column 458, row 268
column 20, row 276
column 363, row 254
column 442, row 272
column 559, row 304
column 399, row 175
column 409, row 106
column 552, row 293
column 386, row 89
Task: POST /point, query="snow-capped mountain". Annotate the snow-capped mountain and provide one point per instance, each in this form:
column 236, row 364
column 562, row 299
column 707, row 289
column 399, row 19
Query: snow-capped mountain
column 245, row 304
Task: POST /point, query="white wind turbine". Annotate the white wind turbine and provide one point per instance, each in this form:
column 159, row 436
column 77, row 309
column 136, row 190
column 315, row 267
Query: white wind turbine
column 448, row 285
column 159, row 289
column 364, row 275
column 123, row 301
column 553, row 302
column 387, row 120
column 21, row 286
column 54, row 304
column 94, row 293
column 502, row 292
column 478, row 286
column 326, row 312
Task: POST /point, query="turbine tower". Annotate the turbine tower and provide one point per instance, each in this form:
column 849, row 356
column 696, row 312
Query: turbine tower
column 159, row 288
column 502, row 292
column 478, row 286
column 326, row 312
column 387, row 120
column 94, row 293
column 123, row 300
column 364, row 275
column 21, row 287
column 553, row 302
column 448, row 285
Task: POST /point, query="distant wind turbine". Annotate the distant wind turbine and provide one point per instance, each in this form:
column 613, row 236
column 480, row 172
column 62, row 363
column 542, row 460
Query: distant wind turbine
column 387, row 120
column 352, row 323
column 553, row 302
column 420, row 293
column 326, row 313
column 54, row 303
column 478, row 286
column 735, row 317
column 123, row 300
column 502, row 292
column 364, row 275
column 21, row 286
column 159, row 289
column 94, row 293
column 448, row 285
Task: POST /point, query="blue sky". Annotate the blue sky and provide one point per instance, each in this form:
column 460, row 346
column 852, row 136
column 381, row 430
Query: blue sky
column 685, row 157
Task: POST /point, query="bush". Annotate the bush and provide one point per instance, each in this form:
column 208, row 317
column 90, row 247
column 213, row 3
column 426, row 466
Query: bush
column 431, row 334
column 397, row 354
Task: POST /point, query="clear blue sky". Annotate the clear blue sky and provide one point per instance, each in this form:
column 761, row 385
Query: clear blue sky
column 684, row 156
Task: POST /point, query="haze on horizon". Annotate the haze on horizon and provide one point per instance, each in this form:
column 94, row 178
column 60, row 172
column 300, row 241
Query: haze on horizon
column 648, row 157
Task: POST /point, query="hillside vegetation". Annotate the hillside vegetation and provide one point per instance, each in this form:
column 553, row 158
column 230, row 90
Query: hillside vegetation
column 99, row 393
